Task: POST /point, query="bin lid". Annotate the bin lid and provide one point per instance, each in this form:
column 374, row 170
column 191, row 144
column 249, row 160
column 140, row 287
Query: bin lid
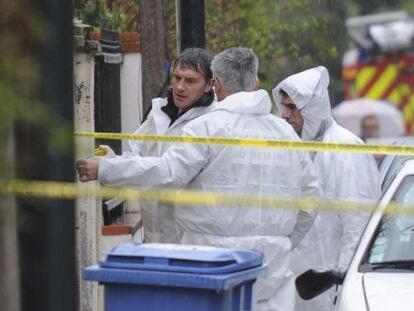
column 180, row 258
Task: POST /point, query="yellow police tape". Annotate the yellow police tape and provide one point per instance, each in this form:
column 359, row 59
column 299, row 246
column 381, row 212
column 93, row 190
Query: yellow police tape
column 68, row 190
column 260, row 143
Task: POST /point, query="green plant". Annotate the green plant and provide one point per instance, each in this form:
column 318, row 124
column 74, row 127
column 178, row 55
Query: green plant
column 110, row 15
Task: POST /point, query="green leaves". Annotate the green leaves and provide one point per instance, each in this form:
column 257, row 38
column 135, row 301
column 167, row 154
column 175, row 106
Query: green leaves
column 287, row 35
column 117, row 16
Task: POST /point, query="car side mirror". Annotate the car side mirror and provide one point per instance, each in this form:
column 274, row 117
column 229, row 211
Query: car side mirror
column 312, row 283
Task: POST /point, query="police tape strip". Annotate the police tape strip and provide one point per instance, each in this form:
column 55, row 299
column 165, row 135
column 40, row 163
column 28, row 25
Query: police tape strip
column 67, row 190
column 260, row 143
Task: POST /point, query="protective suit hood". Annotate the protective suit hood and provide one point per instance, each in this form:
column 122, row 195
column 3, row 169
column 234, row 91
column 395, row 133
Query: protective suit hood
column 255, row 102
column 309, row 91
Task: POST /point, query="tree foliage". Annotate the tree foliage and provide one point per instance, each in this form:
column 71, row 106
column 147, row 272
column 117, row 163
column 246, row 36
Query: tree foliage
column 117, row 15
column 290, row 35
column 287, row 35
column 22, row 32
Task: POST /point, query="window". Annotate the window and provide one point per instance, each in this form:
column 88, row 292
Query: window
column 395, row 238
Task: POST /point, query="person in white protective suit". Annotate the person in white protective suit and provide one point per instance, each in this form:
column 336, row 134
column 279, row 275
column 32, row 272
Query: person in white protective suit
column 190, row 97
column 303, row 101
column 242, row 112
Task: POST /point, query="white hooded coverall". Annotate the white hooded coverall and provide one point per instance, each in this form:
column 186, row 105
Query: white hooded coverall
column 342, row 176
column 158, row 218
column 228, row 169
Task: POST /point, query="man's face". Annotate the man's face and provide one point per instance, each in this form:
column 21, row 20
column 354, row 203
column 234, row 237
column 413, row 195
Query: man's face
column 188, row 86
column 292, row 114
column 369, row 128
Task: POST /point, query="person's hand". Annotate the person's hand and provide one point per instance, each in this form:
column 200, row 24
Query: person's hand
column 87, row 169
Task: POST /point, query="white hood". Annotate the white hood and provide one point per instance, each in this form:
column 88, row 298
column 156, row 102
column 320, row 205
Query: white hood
column 389, row 291
column 309, row 91
column 256, row 102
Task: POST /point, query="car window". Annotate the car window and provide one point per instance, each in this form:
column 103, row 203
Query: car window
column 390, row 169
column 395, row 238
column 384, row 168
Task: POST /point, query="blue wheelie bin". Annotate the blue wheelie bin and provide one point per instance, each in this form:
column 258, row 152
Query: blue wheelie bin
column 158, row 277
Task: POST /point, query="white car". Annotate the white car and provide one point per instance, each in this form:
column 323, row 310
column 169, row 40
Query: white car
column 381, row 274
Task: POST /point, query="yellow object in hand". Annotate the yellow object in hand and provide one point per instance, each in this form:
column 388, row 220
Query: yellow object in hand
column 99, row 152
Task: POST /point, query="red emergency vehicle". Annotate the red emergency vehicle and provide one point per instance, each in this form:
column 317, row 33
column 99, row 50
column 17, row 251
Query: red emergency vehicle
column 380, row 62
